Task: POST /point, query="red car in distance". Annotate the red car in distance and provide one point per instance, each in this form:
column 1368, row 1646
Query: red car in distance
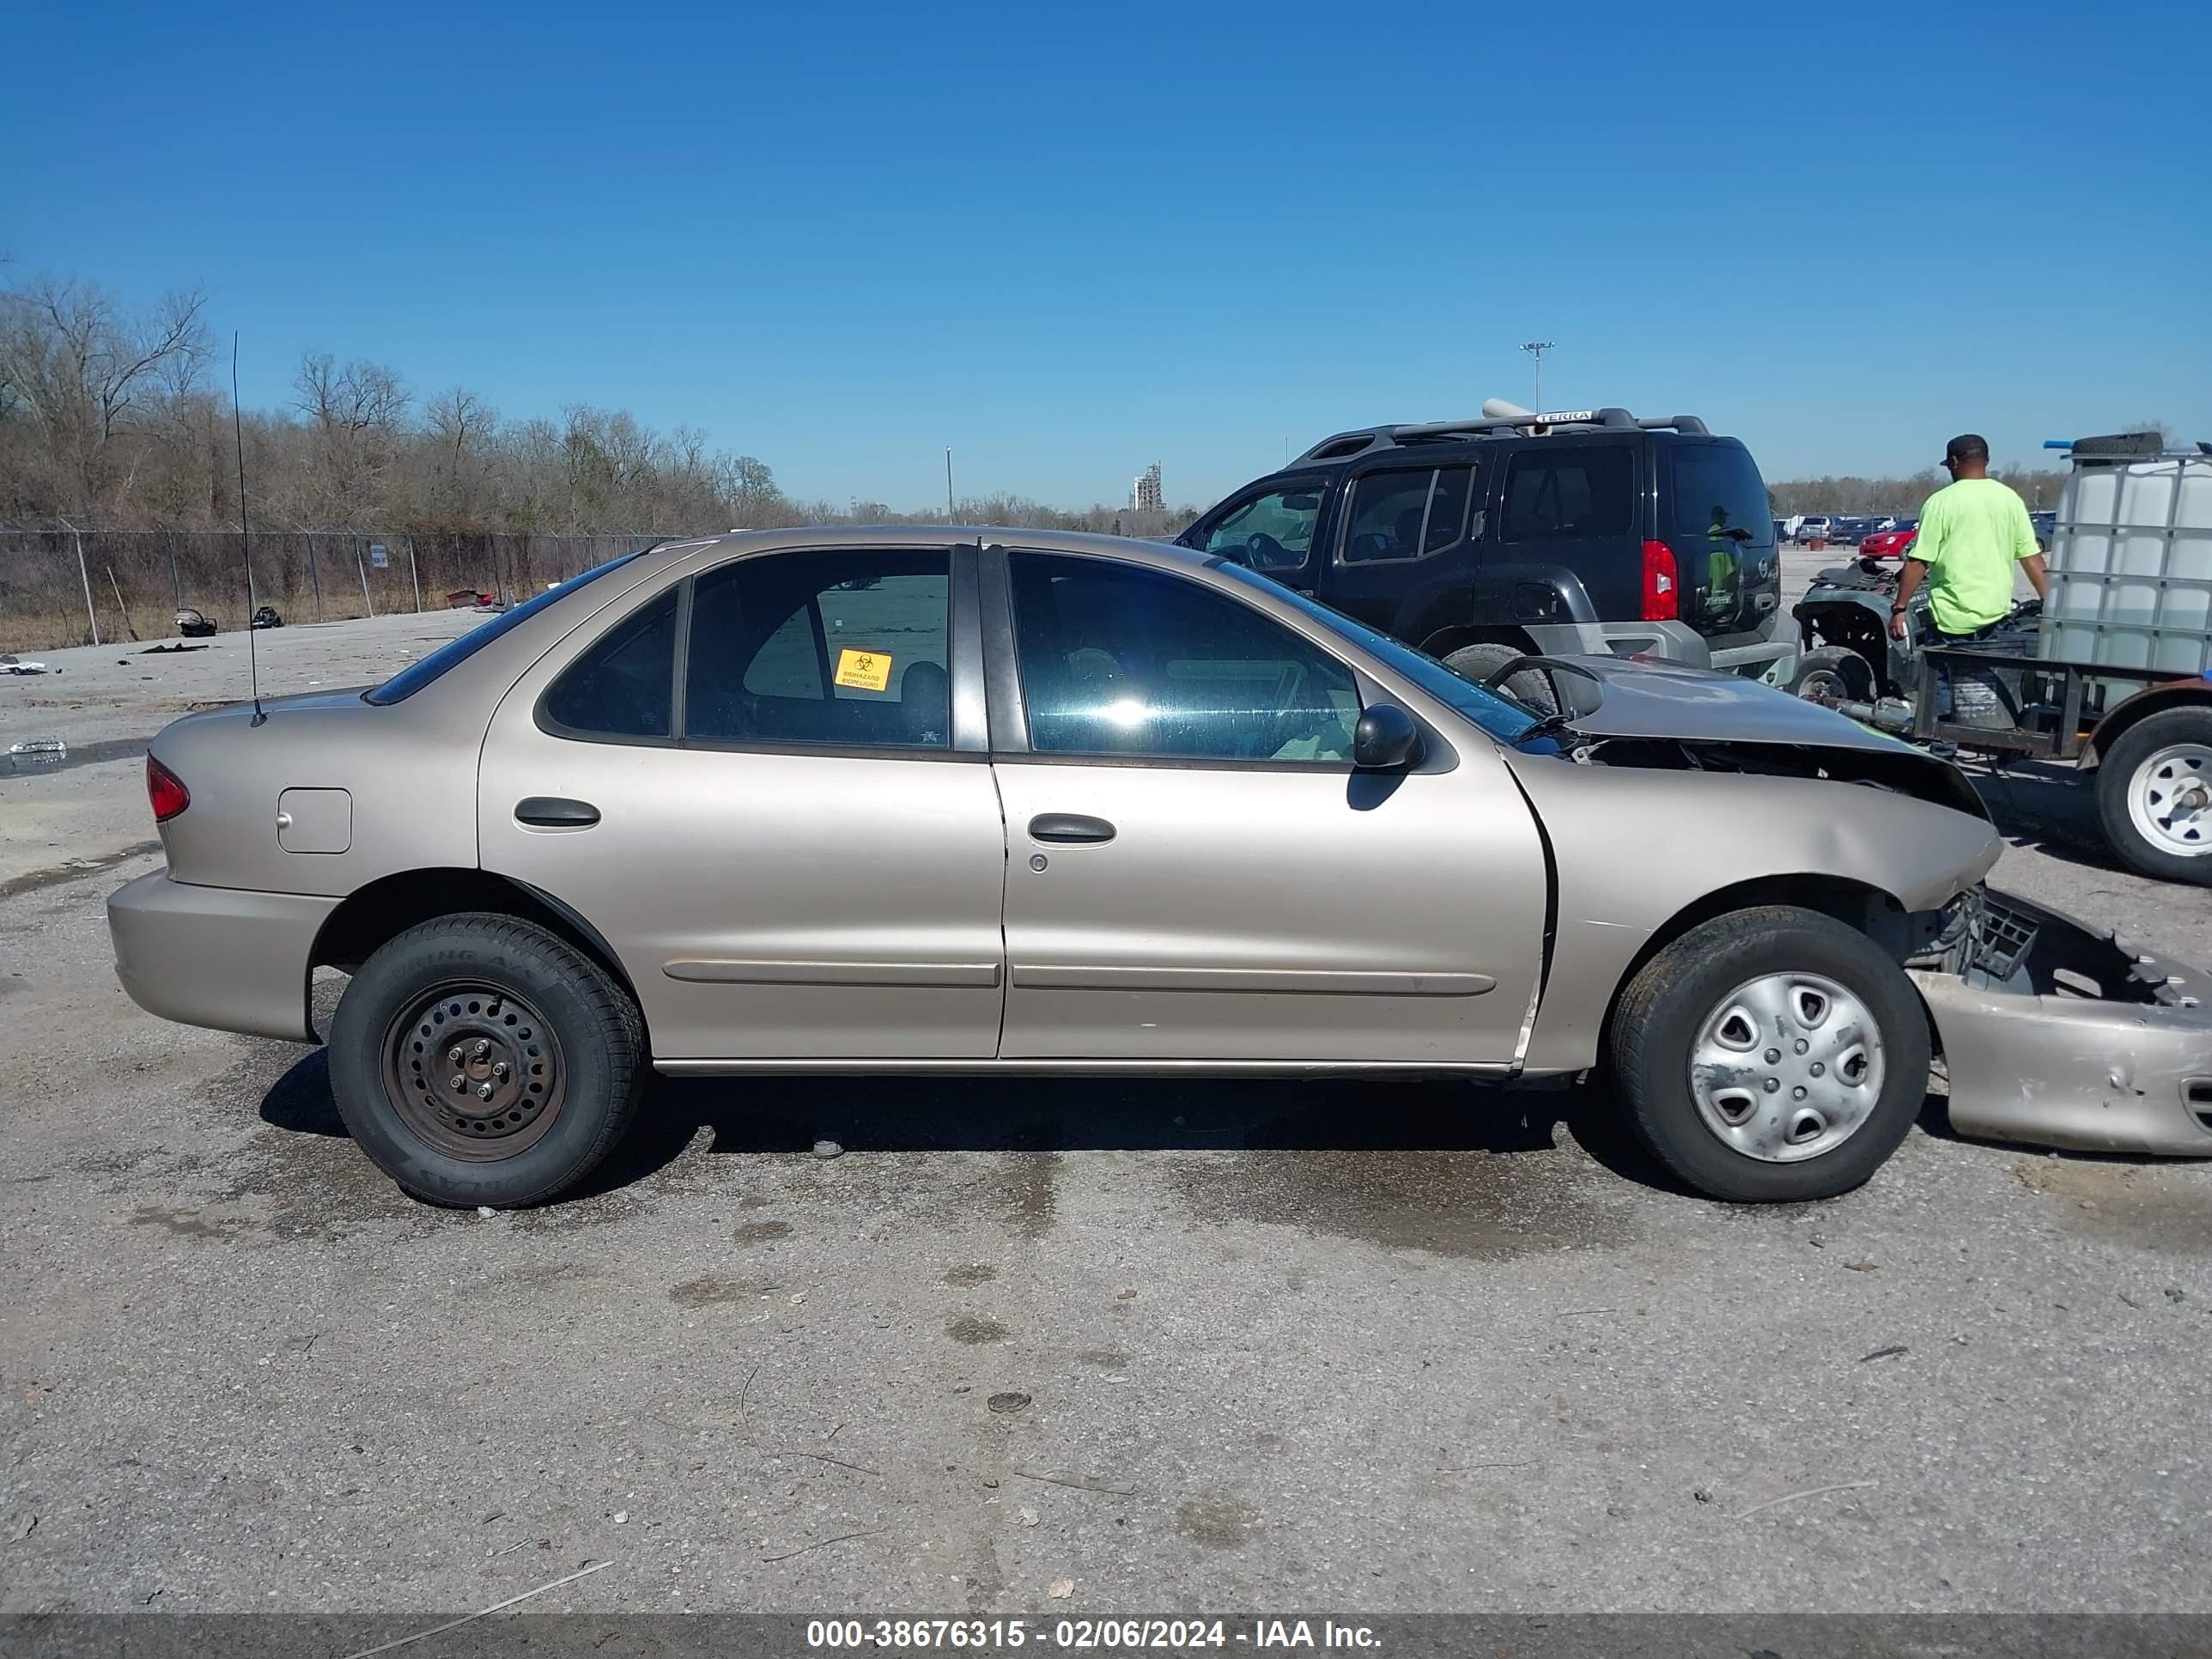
column 1890, row 544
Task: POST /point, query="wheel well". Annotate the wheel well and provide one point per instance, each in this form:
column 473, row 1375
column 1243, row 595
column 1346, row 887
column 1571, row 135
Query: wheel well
column 1850, row 627
column 1445, row 641
column 2133, row 711
column 387, row 908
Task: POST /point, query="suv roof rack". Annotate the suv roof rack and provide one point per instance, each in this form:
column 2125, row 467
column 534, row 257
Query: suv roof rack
column 1343, row 445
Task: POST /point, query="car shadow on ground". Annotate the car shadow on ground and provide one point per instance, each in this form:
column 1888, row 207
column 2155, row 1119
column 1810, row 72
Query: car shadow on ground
column 922, row 1114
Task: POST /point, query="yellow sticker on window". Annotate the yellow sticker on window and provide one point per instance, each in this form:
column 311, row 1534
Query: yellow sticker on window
column 864, row 670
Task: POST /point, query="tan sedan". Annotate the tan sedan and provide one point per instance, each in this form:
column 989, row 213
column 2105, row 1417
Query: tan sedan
column 932, row 800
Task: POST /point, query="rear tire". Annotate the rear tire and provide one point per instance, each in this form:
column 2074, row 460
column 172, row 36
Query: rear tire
column 481, row 1060
column 2145, row 787
column 1706, row 1025
column 1478, row 662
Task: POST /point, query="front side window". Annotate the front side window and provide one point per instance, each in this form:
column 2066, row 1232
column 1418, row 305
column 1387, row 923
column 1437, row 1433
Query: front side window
column 624, row 685
column 1557, row 494
column 1116, row 659
column 1271, row 530
column 1406, row 515
column 843, row 649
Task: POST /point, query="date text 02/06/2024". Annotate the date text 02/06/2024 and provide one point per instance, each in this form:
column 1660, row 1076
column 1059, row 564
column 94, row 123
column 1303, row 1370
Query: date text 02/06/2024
column 1087, row 1635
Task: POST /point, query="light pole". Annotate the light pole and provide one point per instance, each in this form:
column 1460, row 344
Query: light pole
column 949, row 515
column 1536, row 349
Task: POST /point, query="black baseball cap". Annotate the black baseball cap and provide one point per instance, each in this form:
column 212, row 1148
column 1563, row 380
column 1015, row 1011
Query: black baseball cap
column 1966, row 446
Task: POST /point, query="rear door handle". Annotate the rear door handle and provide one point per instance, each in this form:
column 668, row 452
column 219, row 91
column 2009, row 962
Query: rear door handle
column 555, row 812
column 1069, row 827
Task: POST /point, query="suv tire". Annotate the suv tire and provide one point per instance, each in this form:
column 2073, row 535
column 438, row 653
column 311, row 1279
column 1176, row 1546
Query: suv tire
column 1478, row 662
column 480, row 1060
column 1770, row 1056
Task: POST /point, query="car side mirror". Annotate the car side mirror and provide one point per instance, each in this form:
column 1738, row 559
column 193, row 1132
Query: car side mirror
column 1385, row 739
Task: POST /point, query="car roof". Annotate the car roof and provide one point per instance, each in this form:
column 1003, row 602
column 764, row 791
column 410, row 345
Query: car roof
column 1430, row 438
column 800, row 539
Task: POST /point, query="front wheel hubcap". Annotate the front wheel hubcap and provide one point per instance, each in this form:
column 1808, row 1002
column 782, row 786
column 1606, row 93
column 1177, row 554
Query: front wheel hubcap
column 1786, row 1067
column 475, row 1072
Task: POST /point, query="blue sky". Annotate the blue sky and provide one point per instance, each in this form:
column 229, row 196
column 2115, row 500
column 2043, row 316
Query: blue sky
column 1067, row 240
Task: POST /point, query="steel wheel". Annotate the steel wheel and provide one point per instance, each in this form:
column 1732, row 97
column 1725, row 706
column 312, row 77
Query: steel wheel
column 1786, row 1067
column 2170, row 799
column 474, row 1072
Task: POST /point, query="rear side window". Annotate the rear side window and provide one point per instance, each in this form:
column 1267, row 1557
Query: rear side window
column 1718, row 492
column 1558, row 492
column 1405, row 515
column 624, row 686
column 416, row 675
column 845, row 649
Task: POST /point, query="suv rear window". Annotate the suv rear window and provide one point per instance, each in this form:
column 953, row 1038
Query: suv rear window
column 1564, row 492
column 416, row 675
column 1717, row 488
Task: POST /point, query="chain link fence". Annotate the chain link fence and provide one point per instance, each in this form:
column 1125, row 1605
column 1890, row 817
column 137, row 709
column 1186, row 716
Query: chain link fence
column 62, row 587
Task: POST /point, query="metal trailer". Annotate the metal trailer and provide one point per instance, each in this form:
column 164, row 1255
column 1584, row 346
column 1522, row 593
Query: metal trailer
column 2117, row 683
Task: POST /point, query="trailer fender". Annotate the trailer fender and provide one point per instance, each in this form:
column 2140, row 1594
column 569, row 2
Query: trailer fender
column 2166, row 693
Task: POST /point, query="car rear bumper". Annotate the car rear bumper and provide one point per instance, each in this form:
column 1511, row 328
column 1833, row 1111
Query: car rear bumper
column 219, row 956
column 2034, row 1058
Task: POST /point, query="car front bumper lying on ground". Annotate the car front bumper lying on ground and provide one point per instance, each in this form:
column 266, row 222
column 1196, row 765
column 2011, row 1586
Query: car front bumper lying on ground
column 2059, row 1034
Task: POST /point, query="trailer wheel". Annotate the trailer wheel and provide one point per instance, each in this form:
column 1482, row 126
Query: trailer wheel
column 1833, row 674
column 2154, row 795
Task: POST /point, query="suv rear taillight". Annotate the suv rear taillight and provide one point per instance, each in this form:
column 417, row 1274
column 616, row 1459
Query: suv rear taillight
column 1661, row 600
column 166, row 790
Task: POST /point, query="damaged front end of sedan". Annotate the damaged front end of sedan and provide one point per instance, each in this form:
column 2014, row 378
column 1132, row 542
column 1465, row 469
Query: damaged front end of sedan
column 2050, row 1031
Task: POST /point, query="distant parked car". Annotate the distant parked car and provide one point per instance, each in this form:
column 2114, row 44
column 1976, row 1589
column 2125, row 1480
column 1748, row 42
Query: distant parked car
column 2047, row 526
column 1890, row 544
column 1814, row 527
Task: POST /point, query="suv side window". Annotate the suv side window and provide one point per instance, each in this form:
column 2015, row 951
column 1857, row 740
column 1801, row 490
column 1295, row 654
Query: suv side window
column 844, row 649
column 1116, row 659
column 1272, row 529
column 1407, row 514
column 1558, row 492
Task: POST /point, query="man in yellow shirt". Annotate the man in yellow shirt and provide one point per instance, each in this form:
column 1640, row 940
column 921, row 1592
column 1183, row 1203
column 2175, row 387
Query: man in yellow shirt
column 1973, row 531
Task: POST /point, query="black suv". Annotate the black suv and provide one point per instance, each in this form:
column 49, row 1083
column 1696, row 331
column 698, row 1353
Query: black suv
column 1582, row 533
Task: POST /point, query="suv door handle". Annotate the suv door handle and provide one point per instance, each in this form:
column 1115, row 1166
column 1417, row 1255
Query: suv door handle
column 555, row 812
column 1069, row 827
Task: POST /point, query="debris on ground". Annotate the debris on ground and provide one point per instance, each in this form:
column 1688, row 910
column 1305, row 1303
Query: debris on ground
column 22, row 1527
column 1008, row 1403
column 1061, row 1589
column 1702, row 1496
column 1890, row 1352
column 1860, row 1267
column 13, row 667
column 828, row 1149
column 1810, row 1492
column 267, row 617
column 194, row 624
column 171, row 649
column 1028, row 1518
column 38, row 751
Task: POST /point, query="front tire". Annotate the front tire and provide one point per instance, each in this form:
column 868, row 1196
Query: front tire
column 2154, row 796
column 1770, row 1056
column 480, row 1060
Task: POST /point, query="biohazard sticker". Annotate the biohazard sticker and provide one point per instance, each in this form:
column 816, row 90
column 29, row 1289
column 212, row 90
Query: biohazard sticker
column 864, row 670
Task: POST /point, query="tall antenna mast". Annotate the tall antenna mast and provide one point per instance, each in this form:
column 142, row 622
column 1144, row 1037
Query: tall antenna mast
column 245, row 540
column 1536, row 349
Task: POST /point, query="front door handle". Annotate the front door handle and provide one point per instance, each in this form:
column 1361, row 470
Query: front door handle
column 1069, row 827
column 555, row 812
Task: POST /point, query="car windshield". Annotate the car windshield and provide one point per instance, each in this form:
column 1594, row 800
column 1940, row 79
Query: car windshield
column 1503, row 718
column 416, row 675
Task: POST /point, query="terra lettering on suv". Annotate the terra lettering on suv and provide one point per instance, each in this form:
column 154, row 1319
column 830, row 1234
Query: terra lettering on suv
column 1590, row 533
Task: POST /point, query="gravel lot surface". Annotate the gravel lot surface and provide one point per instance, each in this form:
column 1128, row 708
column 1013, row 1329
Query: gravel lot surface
column 1362, row 1348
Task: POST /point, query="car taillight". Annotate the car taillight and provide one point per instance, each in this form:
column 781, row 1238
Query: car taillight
column 1662, row 603
column 166, row 790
